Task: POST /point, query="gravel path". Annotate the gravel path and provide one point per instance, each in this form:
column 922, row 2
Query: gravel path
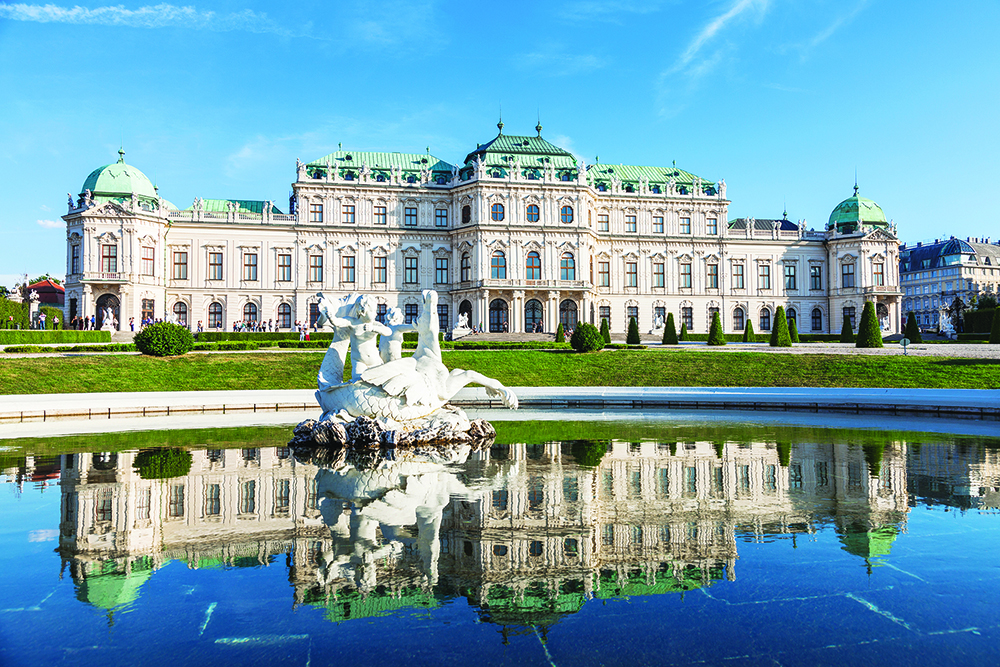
column 962, row 350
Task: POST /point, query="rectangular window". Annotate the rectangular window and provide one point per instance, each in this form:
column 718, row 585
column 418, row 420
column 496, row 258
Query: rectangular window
column 381, row 265
column 410, row 270
column 658, row 279
column 316, row 268
column 878, row 273
column 250, row 266
column 849, row 313
column 248, row 497
column 109, row 259
column 604, row 274
column 790, row 282
column 738, row 277
column 764, row 276
column 712, row 276
column 180, row 266
column 347, row 269
column 441, row 217
column 847, row 274
column 632, row 313
column 148, row 309
column 443, row 322
column 602, row 222
column 685, row 225
column 176, row 505
column 816, row 277
column 74, row 262
column 631, row 274
column 104, row 505
column 380, row 216
column 213, row 500
column 686, row 274
column 410, row 313
column 630, row 223
column 441, row 271
column 658, row 225
column 348, row 214
column 145, row 500
column 282, row 496
column 604, row 313
column 215, row 266
column 147, row 261
column 410, row 217
column 315, row 213
column 285, row 268
column 712, row 226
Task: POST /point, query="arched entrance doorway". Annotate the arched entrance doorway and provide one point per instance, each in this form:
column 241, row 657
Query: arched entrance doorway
column 567, row 314
column 465, row 308
column 104, row 302
column 533, row 316
column 498, row 316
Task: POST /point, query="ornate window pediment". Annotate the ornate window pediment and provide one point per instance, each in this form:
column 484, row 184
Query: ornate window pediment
column 631, row 255
column 848, row 258
column 568, row 245
column 316, row 247
column 532, row 245
column 410, row 251
column 686, row 257
column 347, row 247
column 497, row 244
column 464, row 245
column 108, row 237
column 712, row 258
column 687, row 304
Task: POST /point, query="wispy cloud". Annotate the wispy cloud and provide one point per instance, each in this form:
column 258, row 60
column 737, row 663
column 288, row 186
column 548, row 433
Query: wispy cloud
column 50, row 224
column 152, row 16
column 838, row 22
column 613, row 11
column 713, row 27
column 399, row 23
column 555, row 63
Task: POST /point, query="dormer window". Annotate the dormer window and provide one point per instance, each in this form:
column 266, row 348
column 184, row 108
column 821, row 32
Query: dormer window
column 441, row 180
column 411, row 179
column 497, row 174
column 655, row 189
column 565, row 176
column 380, row 178
column 601, row 187
column 348, row 176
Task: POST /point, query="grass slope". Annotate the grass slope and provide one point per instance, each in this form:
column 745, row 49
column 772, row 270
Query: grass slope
column 523, row 368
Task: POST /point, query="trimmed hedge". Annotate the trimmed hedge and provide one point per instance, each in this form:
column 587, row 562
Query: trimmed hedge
column 219, row 336
column 779, row 332
column 748, row 335
column 164, row 339
column 587, row 338
column 41, row 349
column 995, row 331
column 684, row 332
column 623, row 346
column 847, row 332
column 869, row 332
column 978, row 321
column 669, row 331
column 162, row 463
column 560, row 334
column 974, row 338
column 912, row 331
column 605, row 331
column 632, row 337
column 51, row 314
column 793, row 331
column 13, row 315
column 35, row 337
column 227, row 345
column 715, row 335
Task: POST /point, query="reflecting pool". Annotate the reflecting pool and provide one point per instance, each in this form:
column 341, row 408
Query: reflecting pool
column 565, row 543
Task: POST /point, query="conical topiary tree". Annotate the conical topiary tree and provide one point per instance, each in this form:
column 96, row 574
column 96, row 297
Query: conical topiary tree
column 684, row 331
column 748, row 335
column 560, row 334
column 846, row 332
column 779, row 332
column 669, row 331
column 632, row 338
column 912, row 331
column 715, row 334
column 995, row 331
column 793, row 331
column 605, row 331
column 869, row 333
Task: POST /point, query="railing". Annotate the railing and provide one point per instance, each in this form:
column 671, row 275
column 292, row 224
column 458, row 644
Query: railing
column 105, row 275
column 194, row 216
column 514, row 283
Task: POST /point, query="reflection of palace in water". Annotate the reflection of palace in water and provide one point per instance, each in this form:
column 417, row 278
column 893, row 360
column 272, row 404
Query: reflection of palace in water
column 522, row 531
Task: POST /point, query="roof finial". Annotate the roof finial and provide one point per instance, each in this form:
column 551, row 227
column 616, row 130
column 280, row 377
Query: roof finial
column 538, row 128
column 500, row 123
column 121, row 155
column 855, row 181
column 340, row 145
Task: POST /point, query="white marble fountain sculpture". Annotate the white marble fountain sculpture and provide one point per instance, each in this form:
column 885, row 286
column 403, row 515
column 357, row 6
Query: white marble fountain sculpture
column 406, row 396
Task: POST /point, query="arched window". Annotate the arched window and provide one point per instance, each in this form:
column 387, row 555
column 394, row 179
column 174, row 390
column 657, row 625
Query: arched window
column 498, row 266
column 215, row 315
column 532, row 213
column 739, row 319
column 601, row 187
column 380, row 178
column 655, row 189
column 466, row 268
column 568, row 314
column 817, row 319
column 466, row 214
column 791, row 316
column 566, row 176
column 566, row 214
column 411, row 179
column 533, row 266
column 498, row 316
column 181, row 313
column 765, row 319
column 497, row 174
column 496, row 212
column 567, row 267
column 533, row 316
column 250, row 312
column 284, row 316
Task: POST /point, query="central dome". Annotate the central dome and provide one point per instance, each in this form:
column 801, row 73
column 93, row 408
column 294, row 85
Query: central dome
column 855, row 212
column 119, row 181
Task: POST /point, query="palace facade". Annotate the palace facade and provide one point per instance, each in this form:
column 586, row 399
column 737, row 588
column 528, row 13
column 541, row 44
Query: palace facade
column 520, row 236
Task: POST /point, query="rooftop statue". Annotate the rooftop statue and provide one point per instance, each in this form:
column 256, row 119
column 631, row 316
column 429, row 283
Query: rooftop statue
column 390, row 400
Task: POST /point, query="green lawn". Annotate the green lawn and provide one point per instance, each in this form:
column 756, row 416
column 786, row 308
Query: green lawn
column 521, row 368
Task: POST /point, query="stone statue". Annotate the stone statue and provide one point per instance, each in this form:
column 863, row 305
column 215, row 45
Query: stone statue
column 722, row 188
column 405, row 399
column 108, row 322
column 390, row 347
column 33, row 296
column 88, row 198
column 363, row 329
column 71, row 205
column 300, row 169
column 658, row 324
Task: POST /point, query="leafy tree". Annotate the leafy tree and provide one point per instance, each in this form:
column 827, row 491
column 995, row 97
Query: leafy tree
column 162, row 463
column 605, row 331
column 912, row 331
column 995, row 331
column 164, row 339
column 684, row 331
column 633, row 333
column 793, row 330
column 560, row 334
column 715, row 334
column 846, row 331
column 589, row 453
column 669, row 331
column 748, row 334
column 586, row 338
column 779, row 332
column 869, row 332
column 42, row 277
column 986, row 302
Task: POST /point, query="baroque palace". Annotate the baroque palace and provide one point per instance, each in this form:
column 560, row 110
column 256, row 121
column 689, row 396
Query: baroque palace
column 520, row 236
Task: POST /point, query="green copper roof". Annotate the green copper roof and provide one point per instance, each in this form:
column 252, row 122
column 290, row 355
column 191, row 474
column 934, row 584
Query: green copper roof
column 869, row 543
column 349, row 605
column 855, row 211
column 246, row 206
column 529, row 151
column 118, row 180
column 352, row 161
column 659, row 176
column 110, row 587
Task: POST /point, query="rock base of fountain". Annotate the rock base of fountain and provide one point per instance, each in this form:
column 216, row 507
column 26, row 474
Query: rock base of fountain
column 367, row 433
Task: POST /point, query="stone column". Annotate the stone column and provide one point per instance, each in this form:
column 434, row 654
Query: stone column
column 517, row 312
column 552, row 311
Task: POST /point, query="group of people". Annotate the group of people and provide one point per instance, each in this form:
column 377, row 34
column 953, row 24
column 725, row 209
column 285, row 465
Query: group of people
column 84, row 323
column 252, row 326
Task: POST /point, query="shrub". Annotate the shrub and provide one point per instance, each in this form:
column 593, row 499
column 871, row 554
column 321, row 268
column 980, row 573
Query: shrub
column 670, row 331
column 605, row 331
column 793, row 331
column 560, row 334
column 846, row 332
column 589, row 453
column 715, row 334
column 228, row 345
column 779, row 332
column 633, row 332
column 912, row 331
column 979, row 320
column 162, row 462
column 869, row 333
column 995, row 332
column 51, row 315
column 13, row 315
column 164, row 339
column 33, row 336
column 586, row 338
column 684, row 331
column 748, row 335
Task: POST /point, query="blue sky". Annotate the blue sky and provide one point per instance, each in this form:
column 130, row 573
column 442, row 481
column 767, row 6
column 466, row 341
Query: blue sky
column 785, row 99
